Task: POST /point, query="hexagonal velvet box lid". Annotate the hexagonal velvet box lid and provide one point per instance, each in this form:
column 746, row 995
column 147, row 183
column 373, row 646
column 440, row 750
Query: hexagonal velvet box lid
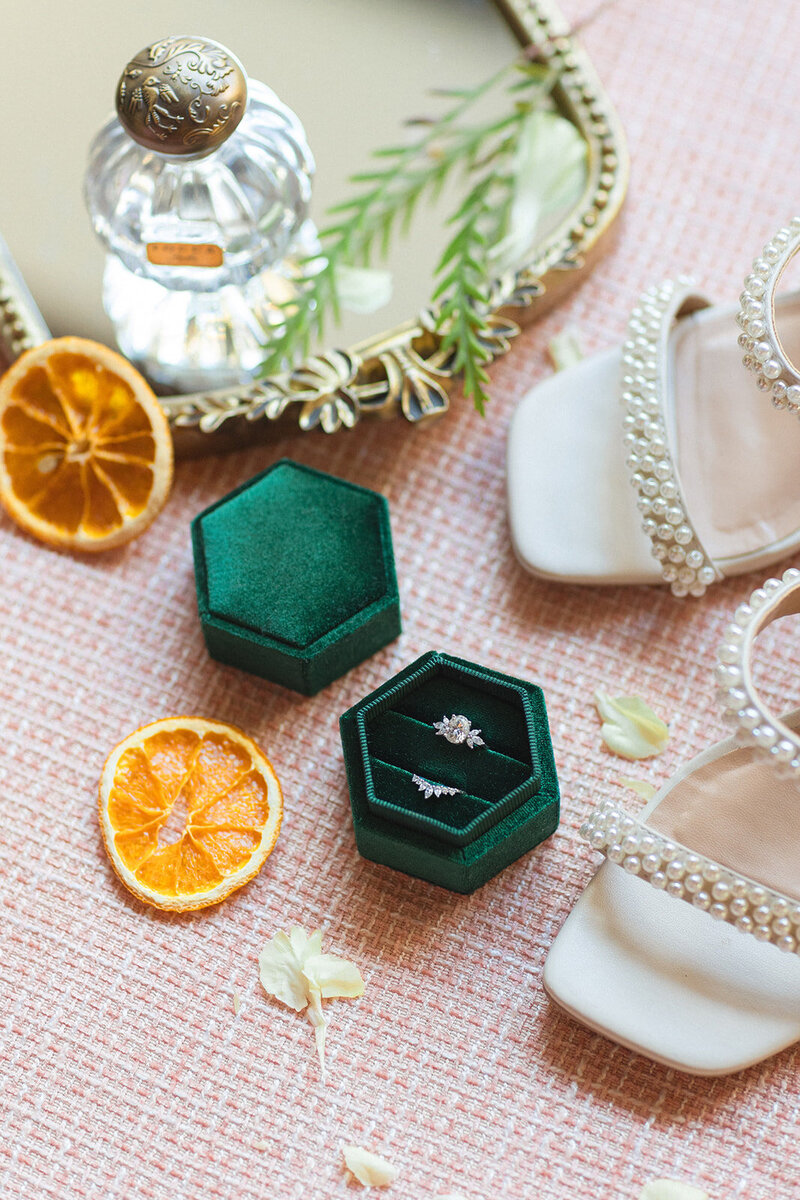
column 496, row 800
column 295, row 576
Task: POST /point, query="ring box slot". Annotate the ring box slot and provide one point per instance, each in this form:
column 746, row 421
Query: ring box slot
column 418, row 748
column 508, row 799
column 462, row 810
column 499, row 716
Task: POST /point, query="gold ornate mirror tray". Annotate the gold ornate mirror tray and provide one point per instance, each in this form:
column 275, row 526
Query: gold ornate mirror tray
column 404, row 371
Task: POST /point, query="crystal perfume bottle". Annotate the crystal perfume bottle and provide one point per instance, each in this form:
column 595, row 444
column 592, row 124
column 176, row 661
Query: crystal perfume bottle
column 199, row 188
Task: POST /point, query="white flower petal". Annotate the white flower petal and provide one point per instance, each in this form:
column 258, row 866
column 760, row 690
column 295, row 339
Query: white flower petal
column 304, row 944
column 671, row 1189
column 368, row 1168
column 641, row 787
column 363, row 290
column 334, row 976
column 281, row 974
column 630, row 727
column 294, row 970
column 317, row 1019
column 565, row 349
column 550, row 173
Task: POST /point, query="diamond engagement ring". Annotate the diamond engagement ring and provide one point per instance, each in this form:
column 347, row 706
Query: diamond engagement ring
column 458, row 730
column 434, row 789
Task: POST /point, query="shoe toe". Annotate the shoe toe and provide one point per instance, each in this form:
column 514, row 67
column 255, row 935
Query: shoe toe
column 667, row 980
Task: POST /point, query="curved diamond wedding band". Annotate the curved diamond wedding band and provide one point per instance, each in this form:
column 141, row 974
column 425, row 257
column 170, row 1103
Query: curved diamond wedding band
column 434, row 789
column 458, row 730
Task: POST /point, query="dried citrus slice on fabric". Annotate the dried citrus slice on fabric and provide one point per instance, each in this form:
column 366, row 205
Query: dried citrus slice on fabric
column 85, row 447
column 189, row 810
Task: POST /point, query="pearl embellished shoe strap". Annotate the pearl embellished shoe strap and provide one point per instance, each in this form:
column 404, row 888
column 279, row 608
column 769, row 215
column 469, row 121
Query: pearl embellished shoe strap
column 764, row 354
column 755, row 724
column 672, row 868
column 678, row 871
column 685, row 564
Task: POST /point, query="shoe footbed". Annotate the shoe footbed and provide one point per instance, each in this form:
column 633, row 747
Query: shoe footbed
column 739, row 458
column 572, row 511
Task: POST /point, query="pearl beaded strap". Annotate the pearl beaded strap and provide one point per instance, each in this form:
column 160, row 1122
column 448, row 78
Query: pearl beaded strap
column 764, row 355
column 700, row 881
column 685, row 565
column 755, row 725
column 681, row 873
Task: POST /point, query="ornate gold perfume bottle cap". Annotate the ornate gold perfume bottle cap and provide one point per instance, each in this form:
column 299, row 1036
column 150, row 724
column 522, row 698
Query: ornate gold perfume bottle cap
column 182, row 96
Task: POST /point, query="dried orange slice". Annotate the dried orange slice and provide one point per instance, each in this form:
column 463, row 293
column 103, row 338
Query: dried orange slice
column 189, row 810
column 85, row 448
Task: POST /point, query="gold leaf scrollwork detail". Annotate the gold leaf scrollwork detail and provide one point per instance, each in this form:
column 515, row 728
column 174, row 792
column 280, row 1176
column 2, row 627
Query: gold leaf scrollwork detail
column 495, row 338
column 208, row 411
column 516, row 290
column 415, row 383
column 334, row 390
column 571, row 260
column 324, row 386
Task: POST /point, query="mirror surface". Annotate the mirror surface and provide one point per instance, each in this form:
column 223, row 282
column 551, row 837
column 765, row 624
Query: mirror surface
column 353, row 71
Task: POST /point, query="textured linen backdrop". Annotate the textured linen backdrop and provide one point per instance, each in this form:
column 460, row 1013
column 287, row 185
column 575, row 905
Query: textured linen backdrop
column 124, row 1070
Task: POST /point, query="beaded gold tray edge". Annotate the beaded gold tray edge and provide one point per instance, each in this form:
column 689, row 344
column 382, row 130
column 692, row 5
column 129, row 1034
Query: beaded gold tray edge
column 403, row 372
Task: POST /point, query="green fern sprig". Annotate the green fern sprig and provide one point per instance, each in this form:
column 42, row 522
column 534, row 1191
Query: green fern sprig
column 463, row 292
column 465, row 274
column 388, row 199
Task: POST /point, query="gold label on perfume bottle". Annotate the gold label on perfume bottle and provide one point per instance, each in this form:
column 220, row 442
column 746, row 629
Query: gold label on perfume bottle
column 184, row 254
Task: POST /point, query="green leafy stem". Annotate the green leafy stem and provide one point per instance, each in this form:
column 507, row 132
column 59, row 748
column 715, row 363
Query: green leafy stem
column 482, row 152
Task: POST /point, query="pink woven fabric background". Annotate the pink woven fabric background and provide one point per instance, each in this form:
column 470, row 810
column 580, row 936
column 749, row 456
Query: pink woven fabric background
column 124, row 1071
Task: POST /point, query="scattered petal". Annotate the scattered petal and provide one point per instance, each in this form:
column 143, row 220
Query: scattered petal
column 671, row 1189
column 368, row 1168
column 641, row 787
column 565, row 349
column 550, row 173
column 315, row 1016
column 294, row 970
column 630, row 727
column 334, row 976
column 237, row 1004
column 261, row 1145
column 281, row 972
column 363, row 290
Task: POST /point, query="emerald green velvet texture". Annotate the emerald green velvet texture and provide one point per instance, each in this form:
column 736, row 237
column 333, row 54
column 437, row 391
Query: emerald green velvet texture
column 295, row 576
column 510, row 798
column 397, row 735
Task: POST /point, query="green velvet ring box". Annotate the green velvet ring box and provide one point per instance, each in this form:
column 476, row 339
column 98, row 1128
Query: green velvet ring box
column 507, row 798
column 295, row 576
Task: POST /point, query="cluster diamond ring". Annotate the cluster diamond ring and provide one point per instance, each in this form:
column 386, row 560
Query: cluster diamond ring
column 458, row 730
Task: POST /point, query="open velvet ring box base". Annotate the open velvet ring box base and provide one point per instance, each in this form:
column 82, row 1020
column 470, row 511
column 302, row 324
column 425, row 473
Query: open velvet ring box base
column 498, row 799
